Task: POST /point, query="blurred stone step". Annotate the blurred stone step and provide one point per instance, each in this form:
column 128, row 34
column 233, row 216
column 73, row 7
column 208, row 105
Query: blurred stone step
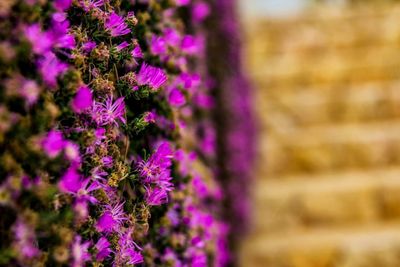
column 300, row 203
column 308, row 34
column 266, row 87
column 357, row 103
column 327, row 192
column 332, row 72
column 368, row 246
column 328, row 59
column 329, row 147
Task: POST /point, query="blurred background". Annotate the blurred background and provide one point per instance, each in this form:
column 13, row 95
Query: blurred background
column 327, row 97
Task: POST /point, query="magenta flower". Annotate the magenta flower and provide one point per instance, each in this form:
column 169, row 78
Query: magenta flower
column 99, row 175
column 134, row 256
column 71, row 181
column 50, row 68
column 200, row 11
column 81, row 210
column 149, row 117
column 176, row 98
column 157, row 175
column 172, row 37
column 200, row 187
column 53, row 144
column 80, row 253
column 59, row 16
column 72, row 152
column 189, row 81
column 86, row 189
column 182, row 2
column 136, row 53
column 109, row 112
column 156, row 196
column 116, row 25
column 82, row 100
column 106, row 223
column 111, row 219
column 107, row 161
column 59, row 33
column 170, row 256
column 204, row 101
column 88, row 46
column 62, row 5
column 158, row 45
column 88, row 5
column 41, row 41
column 103, row 249
column 185, row 161
column 198, row 259
column 190, row 45
column 121, row 46
column 30, row 92
column 157, row 167
column 151, row 76
column 127, row 253
column 25, row 240
column 100, row 134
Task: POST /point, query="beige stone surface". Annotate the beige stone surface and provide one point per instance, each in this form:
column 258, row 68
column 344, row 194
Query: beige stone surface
column 327, row 192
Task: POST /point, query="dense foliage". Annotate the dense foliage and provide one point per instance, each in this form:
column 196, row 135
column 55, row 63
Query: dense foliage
column 107, row 147
column 235, row 122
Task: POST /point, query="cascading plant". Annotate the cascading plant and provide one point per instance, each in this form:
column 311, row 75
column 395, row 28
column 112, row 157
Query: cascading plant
column 107, row 146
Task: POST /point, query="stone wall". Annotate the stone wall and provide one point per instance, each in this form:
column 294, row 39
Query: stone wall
column 327, row 191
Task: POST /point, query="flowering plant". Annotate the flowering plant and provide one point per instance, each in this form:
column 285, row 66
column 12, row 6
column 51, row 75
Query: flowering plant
column 107, row 147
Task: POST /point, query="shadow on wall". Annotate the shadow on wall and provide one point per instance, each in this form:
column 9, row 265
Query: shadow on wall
column 327, row 192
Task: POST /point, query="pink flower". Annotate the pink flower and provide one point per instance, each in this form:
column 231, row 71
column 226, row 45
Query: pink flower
column 121, row 46
column 149, row 117
column 81, row 210
column 156, row 196
column 200, row 187
column 53, row 144
column 137, row 52
column 151, row 76
column 25, row 239
column 106, row 222
column 189, row 81
column 172, row 37
column 158, row 45
column 109, row 112
column 116, row 25
column 190, row 45
column 103, row 249
column 182, row 2
column 157, row 167
column 60, row 35
column 82, row 100
column 80, row 253
column 157, row 175
column 50, row 68
column 200, row 11
column 127, row 253
column 71, row 181
column 88, row 5
column 176, row 98
column 72, row 152
column 30, row 91
column 111, row 218
column 88, row 46
column 107, row 161
column 41, row 41
column 62, row 5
